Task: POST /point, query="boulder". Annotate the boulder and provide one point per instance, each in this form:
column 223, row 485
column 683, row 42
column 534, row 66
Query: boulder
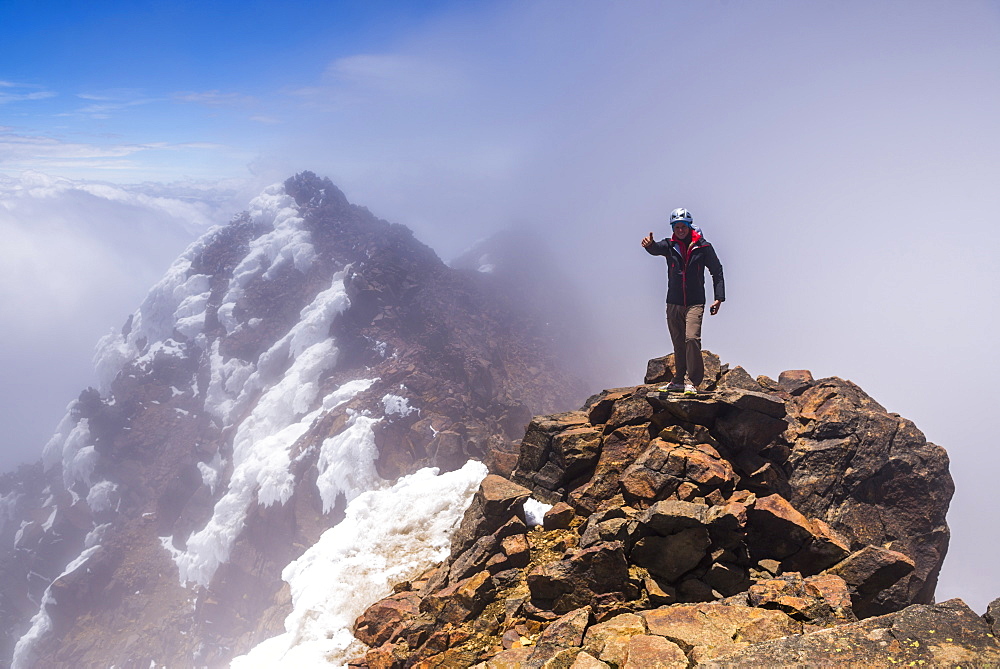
column 872, row 572
column 775, row 529
column 598, row 574
column 672, row 556
column 562, row 633
column 707, row 630
column 618, row 452
column 671, row 516
column 943, row 635
column 795, row 381
column 385, row 620
column 536, row 467
column 558, row 517
column 872, row 476
column 497, row 501
column 461, row 601
column 646, row 651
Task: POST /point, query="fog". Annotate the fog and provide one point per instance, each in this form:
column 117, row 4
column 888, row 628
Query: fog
column 78, row 258
column 842, row 157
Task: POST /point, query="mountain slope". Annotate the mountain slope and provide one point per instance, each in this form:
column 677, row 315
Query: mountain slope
column 286, row 364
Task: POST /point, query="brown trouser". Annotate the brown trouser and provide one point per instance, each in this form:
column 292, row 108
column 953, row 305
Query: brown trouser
column 684, row 324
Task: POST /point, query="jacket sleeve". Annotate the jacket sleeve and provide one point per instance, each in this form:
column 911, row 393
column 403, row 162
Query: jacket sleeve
column 658, row 249
column 718, row 280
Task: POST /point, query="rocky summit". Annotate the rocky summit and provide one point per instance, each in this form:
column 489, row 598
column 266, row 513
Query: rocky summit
column 766, row 523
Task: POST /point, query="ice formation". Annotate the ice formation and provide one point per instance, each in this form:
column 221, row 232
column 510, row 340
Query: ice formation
column 387, row 536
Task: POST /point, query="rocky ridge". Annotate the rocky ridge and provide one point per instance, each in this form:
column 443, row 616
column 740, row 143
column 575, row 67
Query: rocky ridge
column 771, row 522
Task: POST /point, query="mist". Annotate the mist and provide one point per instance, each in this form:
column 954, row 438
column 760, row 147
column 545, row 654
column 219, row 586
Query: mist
column 78, row 259
column 841, row 157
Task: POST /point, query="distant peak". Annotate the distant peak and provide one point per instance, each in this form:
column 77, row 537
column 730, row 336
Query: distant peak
column 309, row 190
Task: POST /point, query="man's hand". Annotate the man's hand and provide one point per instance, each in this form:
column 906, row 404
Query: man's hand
column 714, row 309
column 647, row 241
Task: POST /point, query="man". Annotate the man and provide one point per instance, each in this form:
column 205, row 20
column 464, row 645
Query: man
column 687, row 254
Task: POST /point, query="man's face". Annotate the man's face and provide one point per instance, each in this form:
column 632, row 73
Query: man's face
column 681, row 230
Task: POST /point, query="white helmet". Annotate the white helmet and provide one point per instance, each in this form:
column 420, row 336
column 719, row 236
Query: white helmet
column 680, row 215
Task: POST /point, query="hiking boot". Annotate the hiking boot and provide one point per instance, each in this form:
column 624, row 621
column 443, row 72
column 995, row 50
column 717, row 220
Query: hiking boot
column 672, row 388
column 690, row 389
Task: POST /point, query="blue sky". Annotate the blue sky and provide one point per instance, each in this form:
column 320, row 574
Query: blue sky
column 127, row 91
column 842, row 156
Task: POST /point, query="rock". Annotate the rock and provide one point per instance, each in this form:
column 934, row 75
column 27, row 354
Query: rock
column 384, row 620
column 737, row 378
column 479, row 554
column 671, row 516
column 795, row 381
column 461, row 601
column 947, row 634
column 708, row 630
column 581, row 578
column 565, row 632
column 872, row 476
column 599, row 406
column 653, row 475
column 613, row 529
column 515, row 658
column 632, row 409
column 623, row 625
column 672, row 556
column 516, row 549
column 775, row 529
column 872, row 572
column 817, row 599
column 727, row 579
column 661, row 370
column 659, row 593
column 727, row 524
column 558, row 517
column 585, row 660
column 576, row 451
column 697, row 410
column 618, row 452
column 992, row 616
column 497, row 501
column 536, row 467
column 654, row 652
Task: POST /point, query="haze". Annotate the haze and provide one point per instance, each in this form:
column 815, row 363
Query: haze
column 842, row 156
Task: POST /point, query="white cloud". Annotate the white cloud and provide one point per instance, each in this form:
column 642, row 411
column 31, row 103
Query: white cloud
column 17, row 92
column 216, row 99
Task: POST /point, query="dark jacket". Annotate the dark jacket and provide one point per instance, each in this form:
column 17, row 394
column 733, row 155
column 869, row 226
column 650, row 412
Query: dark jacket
column 686, row 269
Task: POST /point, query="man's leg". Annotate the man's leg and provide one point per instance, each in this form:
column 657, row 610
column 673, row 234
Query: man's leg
column 676, row 327
column 692, row 343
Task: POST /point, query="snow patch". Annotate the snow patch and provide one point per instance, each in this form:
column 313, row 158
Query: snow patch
column 486, row 265
column 387, row 536
column 41, row 623
column 71, row 446
column 534, row 511
column 394, row 404
column 262, row 441
column 103, row 496
column 211, row 471
column 346, row 462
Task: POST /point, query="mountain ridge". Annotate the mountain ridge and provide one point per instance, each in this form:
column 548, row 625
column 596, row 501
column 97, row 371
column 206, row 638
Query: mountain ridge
column 289, row 361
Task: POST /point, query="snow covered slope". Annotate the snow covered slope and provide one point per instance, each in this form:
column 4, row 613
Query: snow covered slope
column 284, row 427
